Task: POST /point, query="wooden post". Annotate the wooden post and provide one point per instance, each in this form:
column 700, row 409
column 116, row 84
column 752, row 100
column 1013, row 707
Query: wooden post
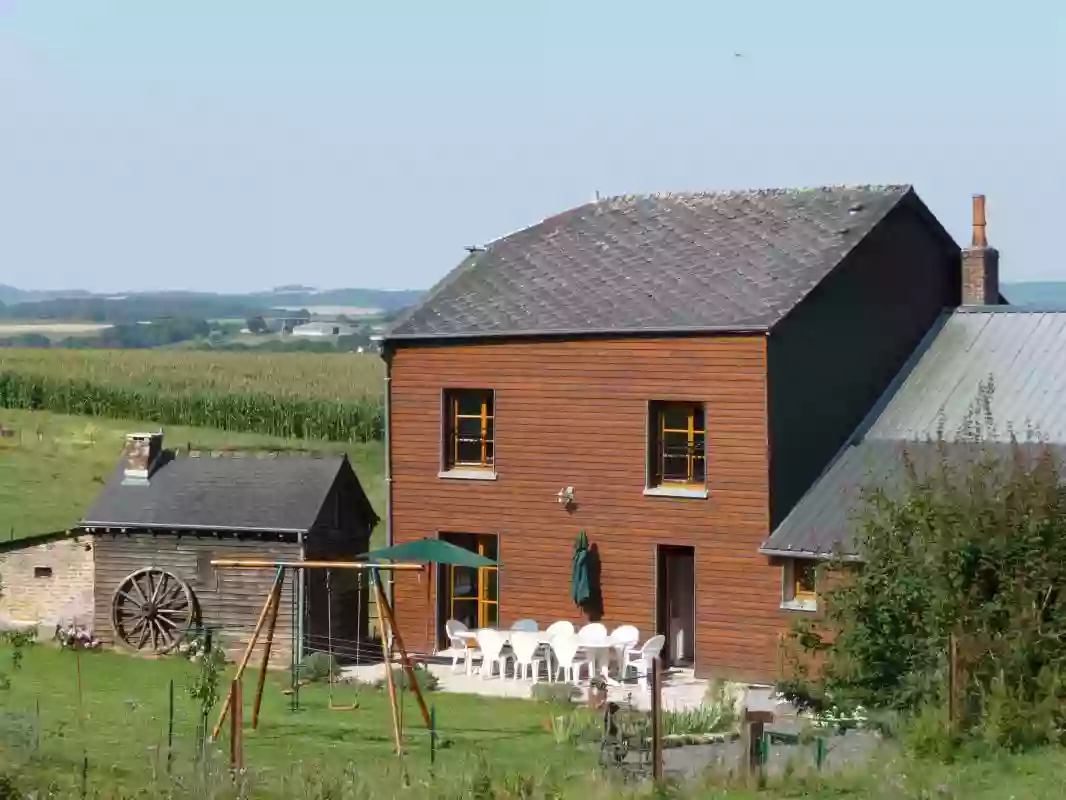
column 236, row 726
column 380, row 598
column 276, row 601
column 656, row 720
column 170, row 728
column 384, row 604
column 754, row 727
column 248, row 651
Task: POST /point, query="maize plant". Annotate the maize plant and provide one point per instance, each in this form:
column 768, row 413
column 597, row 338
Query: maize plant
column 338, row 397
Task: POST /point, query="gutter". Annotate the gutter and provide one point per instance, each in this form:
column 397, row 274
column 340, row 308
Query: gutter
column 768, row 551
column 570, row 333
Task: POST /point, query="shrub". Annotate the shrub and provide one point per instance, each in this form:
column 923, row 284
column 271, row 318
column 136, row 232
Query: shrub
column 319, row 666
column 560, row 694
column 961, row 573
column 427, row 681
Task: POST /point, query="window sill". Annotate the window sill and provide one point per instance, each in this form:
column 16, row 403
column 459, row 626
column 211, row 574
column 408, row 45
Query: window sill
column 468, row 474
column 676, row 491
column 799, row 605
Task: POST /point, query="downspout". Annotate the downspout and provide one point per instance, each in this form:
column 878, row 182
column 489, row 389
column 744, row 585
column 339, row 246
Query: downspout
column 299, row 587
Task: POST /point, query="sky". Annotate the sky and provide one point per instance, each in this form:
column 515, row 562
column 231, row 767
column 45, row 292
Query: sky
column 234, row 145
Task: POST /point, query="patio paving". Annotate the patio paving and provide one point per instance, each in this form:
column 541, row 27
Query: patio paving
column 681, row 689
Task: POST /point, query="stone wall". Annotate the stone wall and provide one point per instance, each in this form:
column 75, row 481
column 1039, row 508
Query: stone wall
column 47, row 582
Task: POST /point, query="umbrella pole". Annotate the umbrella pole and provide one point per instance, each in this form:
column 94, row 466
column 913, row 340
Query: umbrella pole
column 429, row 608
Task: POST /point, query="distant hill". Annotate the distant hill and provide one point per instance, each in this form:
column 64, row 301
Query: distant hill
column 86, row 306
column 1045, row 294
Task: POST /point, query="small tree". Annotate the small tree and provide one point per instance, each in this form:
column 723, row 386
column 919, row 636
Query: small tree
column 257, row 325
column 962, row 570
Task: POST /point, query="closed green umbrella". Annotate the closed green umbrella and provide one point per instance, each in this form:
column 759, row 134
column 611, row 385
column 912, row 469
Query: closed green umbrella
column 580, row 589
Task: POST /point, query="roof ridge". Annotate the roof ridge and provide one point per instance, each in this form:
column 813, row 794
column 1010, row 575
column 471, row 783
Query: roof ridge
column 258, row 453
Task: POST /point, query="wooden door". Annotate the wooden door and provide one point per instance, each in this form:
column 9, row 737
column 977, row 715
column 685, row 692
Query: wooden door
column 676, row 604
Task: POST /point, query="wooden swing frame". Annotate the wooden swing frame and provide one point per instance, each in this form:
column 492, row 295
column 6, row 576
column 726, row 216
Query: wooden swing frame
column 386, row 625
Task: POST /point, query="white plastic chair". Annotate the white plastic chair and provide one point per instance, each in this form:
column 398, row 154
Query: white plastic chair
column 641, row 658
column 625, row 637
column 562, row 626
column 524, row 645
column 459, row 646
column 491, row 643
column 525, row 625
column 593, row 630
column 568, row 660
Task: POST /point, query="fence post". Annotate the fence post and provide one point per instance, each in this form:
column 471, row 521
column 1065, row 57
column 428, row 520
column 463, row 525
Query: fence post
column 953, row 689
column 656, row 720
column 170, row 728
column 37, row 727
column 236, row 726
column 755, row 748
column 432, row 735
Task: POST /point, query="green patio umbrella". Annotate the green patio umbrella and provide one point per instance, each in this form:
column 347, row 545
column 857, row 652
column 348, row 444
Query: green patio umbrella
column 431, row 551
column 580, row 589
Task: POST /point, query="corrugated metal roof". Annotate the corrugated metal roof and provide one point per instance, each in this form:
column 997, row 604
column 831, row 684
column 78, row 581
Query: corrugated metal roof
column 1022, row 351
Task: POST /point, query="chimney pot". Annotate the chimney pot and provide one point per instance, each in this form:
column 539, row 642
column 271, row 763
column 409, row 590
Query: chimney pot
column 140, row 456
column 980, row 263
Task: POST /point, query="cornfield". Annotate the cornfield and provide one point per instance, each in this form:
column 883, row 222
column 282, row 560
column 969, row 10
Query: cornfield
column 303, row 395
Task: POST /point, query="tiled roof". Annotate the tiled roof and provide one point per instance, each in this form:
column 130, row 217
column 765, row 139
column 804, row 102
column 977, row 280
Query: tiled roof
column 282, row 493
column 658, row 263
column 1022, row 351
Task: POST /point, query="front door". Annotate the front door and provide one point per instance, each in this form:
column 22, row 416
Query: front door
column 471, row 596
column 676, row 604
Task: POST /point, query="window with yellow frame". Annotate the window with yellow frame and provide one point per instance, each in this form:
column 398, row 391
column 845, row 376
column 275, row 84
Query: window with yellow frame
column 469, row 429
column 678, row 438
column 472, row 596
column 801, row 587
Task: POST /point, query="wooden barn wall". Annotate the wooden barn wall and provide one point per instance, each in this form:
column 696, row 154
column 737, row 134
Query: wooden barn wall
column 574, row 413
column 230, row 600
column 349, row 589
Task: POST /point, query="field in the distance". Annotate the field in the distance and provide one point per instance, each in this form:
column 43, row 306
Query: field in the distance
column 52, row 466
column 300, row 375
column 336, row 396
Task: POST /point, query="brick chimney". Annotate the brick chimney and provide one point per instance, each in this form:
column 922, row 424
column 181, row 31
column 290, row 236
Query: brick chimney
column 140, row 456
column 980, row 263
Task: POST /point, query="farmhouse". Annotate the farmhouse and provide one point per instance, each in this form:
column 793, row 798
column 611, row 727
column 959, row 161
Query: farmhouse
column 669, row 374
column 46, row 580
column 163, row 517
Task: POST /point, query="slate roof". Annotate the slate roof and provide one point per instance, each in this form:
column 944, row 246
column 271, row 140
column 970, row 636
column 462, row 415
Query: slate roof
column 283, row 493
column 1022, row 350
column 734, row 261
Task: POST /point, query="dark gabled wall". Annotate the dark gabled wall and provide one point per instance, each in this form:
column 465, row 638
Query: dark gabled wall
column 833, row 356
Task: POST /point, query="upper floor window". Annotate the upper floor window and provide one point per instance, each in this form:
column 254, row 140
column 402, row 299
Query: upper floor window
column 678, row 440
column 468, row 434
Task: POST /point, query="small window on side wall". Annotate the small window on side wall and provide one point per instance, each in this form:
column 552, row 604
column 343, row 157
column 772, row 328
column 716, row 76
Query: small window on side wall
column 800, row 591
column 469, row 417
column 677, row 437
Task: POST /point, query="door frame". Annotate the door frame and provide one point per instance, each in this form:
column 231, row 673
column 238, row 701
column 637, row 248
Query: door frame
column 662, row 550
column 442, row 573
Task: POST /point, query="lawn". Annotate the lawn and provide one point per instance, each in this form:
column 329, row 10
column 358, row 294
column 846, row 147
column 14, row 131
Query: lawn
column 54, row 465
column 489, row 747
column 124, row 721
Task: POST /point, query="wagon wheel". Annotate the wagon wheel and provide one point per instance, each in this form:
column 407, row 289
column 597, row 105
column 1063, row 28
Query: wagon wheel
column 152, row 610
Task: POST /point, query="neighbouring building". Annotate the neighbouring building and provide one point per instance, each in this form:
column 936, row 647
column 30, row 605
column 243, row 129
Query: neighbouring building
column 325, row 330
column 164, row 516
column 46, row 581
column 687, row 364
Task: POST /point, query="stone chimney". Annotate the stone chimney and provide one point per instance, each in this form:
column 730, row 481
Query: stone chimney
column 980, row 263
column 140, row 456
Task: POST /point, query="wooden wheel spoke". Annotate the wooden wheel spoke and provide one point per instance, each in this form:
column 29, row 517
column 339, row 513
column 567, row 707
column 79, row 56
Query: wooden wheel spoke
column 152, row 609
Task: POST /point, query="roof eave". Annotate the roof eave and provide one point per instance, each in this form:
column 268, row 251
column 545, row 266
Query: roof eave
column 820, row 556
column 91, row 524
column 579, row 332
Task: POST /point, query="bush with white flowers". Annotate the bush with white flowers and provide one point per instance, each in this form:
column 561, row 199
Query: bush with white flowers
column 76, row 637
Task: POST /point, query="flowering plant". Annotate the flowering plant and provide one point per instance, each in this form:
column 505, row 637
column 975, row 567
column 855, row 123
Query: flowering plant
column 74, row 637
column 194, row 648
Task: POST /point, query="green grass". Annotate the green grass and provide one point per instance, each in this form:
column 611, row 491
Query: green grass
column 54, row 465
column 491, row 748
column 122, row 724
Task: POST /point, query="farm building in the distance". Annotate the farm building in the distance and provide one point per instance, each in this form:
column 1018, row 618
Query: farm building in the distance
column 142, row 555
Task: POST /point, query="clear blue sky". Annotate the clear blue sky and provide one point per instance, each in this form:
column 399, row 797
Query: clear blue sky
column 239, row 144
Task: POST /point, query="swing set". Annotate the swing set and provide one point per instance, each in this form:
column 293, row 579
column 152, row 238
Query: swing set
column 268, row 617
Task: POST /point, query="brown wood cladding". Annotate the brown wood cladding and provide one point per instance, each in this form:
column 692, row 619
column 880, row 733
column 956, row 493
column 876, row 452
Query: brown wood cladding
column 229, row 600
column 574, row 413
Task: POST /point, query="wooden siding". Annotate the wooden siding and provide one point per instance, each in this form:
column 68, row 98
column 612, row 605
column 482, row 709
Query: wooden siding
column 229, row 600
column 574, row 413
